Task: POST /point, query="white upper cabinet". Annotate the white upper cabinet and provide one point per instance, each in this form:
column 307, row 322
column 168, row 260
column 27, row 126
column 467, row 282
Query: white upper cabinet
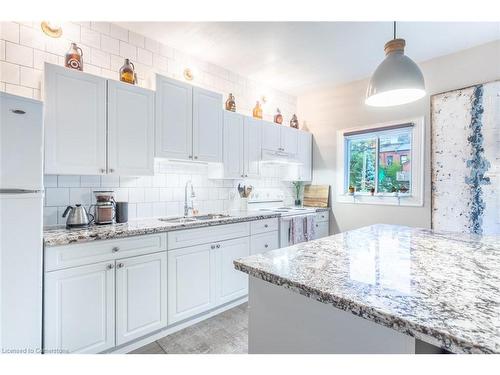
column 141, row 296
column 75, row 122
column 233, row 145
column 289, row 139
column 304, row 155
column 271, row 138
column 188, row 122
column 253, row 146
column 279, row 138
column 130, row 130
column 174, row 119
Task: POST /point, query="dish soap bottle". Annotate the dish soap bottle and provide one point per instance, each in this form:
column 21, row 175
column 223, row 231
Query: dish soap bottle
column 127, row 72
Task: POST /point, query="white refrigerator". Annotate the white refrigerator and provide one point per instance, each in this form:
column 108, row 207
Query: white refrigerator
column 21, row 201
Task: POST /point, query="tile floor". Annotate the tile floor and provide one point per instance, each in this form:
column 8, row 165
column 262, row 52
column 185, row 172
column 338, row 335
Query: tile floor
column 226, row 333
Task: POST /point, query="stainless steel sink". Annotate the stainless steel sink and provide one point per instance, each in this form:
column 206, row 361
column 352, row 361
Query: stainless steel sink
column 192, row 219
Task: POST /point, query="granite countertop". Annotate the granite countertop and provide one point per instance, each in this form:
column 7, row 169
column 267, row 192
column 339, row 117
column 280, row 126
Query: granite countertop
column 439, row 287
column 60, row 235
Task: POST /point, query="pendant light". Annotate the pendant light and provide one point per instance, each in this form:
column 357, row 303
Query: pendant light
column 397, row 80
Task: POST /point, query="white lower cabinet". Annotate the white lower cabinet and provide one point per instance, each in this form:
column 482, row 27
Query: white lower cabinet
column 191, row 279
column 230, row 283
column 141, row 296
column 263, row 242
column 79, row 309
column 322, row 229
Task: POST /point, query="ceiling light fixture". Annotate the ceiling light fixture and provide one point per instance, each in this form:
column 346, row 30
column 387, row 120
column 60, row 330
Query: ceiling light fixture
column 397, row 80
column 52, row 29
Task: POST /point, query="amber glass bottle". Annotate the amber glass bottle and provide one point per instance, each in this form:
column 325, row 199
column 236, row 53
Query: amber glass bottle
column 74, row 57
column 278, row 117
column 127, row 72
column 257, row 111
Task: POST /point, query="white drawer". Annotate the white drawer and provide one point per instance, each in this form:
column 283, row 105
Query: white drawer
column 73, row 255
column 198, row 236
column 263, row 242
column 262, row 226
column 322, row 216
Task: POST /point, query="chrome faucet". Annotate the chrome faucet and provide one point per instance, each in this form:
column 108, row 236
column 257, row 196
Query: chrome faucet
column 186, row 206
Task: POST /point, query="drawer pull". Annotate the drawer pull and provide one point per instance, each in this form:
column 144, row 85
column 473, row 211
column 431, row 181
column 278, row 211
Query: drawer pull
column 120, row 265
column 110, row 266
column 115, row 249
column 266, row 245
column 218, row 246
column 265, row 225
column 212, row 246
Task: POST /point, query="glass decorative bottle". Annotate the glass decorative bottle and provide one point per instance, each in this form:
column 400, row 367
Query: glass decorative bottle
column 74, row 57
column 231, row 103
column 127, row 72
column 294, row 122
column 257, row 111
column 278, row 118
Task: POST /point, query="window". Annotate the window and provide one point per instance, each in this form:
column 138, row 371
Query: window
column 382, row 161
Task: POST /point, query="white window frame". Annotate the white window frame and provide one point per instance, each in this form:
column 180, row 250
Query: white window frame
column 415, row 197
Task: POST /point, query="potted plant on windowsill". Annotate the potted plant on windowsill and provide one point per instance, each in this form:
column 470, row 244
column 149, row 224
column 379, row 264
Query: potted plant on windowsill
column 352, row 189
column 297, row 185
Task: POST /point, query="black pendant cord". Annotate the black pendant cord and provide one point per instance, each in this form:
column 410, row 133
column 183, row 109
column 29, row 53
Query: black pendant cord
column 394, row 29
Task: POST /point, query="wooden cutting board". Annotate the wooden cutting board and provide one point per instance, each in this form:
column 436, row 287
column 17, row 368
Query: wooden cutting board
column 316, row 195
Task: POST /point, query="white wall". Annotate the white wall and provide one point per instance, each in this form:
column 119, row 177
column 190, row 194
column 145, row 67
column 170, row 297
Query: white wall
column 23, row 51
column 328, row 109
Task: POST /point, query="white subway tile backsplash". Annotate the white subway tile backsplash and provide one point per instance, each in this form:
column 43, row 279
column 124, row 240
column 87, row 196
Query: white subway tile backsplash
column 136, row 195
column 17, row 54
column 132, row 211
column 90, row 181
column 109, row 181
column 81, row 196
column 102, row 27
column 10, row 73
column 152, row 45
column 166, row 194
column 110, row 45
column 128, row 181
column 118, row 32
column 136, row 39
column 90, row 37
column 159, row 209
column 128, row 51
column 31, row 38
column 49, row 180
column 9, row 31
column 121, row 194
column 100, row 58
column 41, row 57
column 152, row 194
column 2, row 49
column 56, row 196
column 68, row 181
column 144, row 56
column 50, row 216
column 19, row 90
column 31, row 77
column 144, row 210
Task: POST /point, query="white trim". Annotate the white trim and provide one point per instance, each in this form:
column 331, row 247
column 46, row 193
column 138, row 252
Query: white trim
column 139, row 343
column 416, row 198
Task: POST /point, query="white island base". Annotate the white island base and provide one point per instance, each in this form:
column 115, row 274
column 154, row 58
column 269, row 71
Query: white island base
column 284, row 322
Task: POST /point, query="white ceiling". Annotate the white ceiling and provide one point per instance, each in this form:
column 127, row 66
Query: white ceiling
column 297, row 56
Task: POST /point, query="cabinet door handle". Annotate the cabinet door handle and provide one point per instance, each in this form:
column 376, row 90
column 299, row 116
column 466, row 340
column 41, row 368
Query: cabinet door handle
column 265, row 225
column 110, row 266
column 103, row 170
column 18, row 111
column 111, row 170
column 115, row 249
column 266, row 245
column 212, row 246
column 196, row 157
column 246, row 175
column 218, row 246
column 190, row 156
column 120, row 265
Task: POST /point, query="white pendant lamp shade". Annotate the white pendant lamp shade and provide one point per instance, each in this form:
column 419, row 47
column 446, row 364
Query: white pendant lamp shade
column 397, row 80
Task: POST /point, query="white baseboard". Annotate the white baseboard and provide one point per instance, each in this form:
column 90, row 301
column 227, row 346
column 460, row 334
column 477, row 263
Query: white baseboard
column 174, row 328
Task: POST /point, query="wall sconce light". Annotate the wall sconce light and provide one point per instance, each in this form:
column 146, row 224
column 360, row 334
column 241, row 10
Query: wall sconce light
column 52, row 29
column 188, row 74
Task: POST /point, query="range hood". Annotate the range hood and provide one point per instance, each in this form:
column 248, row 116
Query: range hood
column 279, row 157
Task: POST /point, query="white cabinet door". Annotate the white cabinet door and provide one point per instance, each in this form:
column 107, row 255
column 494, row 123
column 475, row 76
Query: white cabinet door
column 130, row 130
column 322, row 229
column 141, row 296
column 233, row 145
column 252, row 147
column 304, row 155
column 75, row 122
column 207, row 125
column 271, row 136
column 174, row 121
column 230, row 283
column 79, row 315
column 191, row 280
column 289, row 139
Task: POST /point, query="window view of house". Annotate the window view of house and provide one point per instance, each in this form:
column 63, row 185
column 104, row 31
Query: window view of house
column 379, row 161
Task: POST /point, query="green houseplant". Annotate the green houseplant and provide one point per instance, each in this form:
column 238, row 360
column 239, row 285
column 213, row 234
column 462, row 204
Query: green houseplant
column 297, row 185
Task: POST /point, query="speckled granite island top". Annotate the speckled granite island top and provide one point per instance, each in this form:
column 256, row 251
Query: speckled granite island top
column 57, row 236
column 439, row 287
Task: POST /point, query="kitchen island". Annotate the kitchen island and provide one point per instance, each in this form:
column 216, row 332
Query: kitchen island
column 378, row 289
